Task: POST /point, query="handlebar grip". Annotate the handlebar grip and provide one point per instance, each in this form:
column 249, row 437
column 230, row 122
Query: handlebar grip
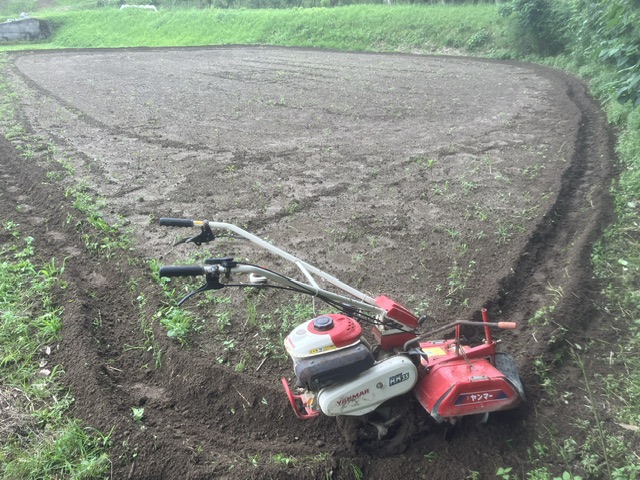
column 181, row 271
column 176, row 222
column 508, row 325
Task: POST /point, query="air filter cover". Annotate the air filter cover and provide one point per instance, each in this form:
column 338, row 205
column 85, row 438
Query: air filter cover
column 322, row 334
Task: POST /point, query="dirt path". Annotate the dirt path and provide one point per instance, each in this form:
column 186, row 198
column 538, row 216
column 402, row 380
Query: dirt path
column 449, row 184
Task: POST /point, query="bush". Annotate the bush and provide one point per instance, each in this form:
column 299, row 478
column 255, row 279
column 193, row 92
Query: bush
column 608, row 31
column 539, row 26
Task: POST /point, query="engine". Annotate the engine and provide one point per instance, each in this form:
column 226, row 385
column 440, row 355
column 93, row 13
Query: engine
column 337, row 370
column 327, row 350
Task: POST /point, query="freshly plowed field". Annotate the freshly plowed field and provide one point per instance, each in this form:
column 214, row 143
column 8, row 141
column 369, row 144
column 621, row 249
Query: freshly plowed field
column 447, row 184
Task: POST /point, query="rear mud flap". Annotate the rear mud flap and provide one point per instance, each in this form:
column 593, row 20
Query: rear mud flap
column 507, row 365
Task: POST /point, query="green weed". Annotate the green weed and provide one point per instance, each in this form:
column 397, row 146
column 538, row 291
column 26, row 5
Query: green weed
column 504, row 233
column 532, row 171
column 178, row 322
column 543, row 370
column 138, row 414
column 601, row 434
column 568, row 476
column 223, row 320
column 293, row 207
column 281, row 458
column 105, row 239
column 543, row 316
column 42, row 441
column 357, row 472
column 504, row 473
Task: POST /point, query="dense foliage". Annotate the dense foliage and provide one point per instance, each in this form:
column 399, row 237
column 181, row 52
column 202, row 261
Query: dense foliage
column 608, row 31
column 539, row 26
column 604, row 32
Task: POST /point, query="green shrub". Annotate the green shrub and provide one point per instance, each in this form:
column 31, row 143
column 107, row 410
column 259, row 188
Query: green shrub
column 538, row 26
column 608, row 32
column 16, row 7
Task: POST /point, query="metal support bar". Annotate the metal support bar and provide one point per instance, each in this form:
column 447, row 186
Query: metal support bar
column 287, row 256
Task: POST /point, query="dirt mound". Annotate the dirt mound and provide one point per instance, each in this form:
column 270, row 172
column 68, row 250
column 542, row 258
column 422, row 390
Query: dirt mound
column 448, row 184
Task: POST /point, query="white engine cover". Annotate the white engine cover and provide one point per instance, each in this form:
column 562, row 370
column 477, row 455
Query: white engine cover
column 307, row 340
column 365, row 392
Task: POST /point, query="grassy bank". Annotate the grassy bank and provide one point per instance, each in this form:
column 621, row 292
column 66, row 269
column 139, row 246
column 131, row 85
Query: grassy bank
column 616, row 257
column 471, row 28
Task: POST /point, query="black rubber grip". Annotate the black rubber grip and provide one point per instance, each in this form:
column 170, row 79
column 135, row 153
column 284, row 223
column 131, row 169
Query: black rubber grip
column 176, row 222
column 181, row 271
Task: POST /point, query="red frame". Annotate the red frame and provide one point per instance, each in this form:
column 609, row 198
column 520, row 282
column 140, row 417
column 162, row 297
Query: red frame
column 310, row 413
column 456, row 380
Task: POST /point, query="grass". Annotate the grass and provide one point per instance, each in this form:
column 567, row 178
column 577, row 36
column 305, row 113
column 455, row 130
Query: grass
column 601, row 452
column 178, row 322
column 616, row 260
column 38, row 438
column 226, row 331
column 104, row 238
column 358, row 27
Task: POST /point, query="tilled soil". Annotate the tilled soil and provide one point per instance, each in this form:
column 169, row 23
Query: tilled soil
column 448, row 184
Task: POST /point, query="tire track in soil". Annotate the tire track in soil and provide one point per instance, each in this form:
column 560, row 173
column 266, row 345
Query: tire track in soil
column 189, row 431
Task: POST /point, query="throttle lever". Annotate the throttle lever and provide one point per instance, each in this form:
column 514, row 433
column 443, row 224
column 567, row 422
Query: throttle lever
column 205, row 235
column 213, row 283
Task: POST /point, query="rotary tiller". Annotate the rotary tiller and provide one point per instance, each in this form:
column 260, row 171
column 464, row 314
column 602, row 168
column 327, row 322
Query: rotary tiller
column 339, row 373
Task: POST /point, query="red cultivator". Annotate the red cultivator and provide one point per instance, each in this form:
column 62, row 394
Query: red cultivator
column 339, row 373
